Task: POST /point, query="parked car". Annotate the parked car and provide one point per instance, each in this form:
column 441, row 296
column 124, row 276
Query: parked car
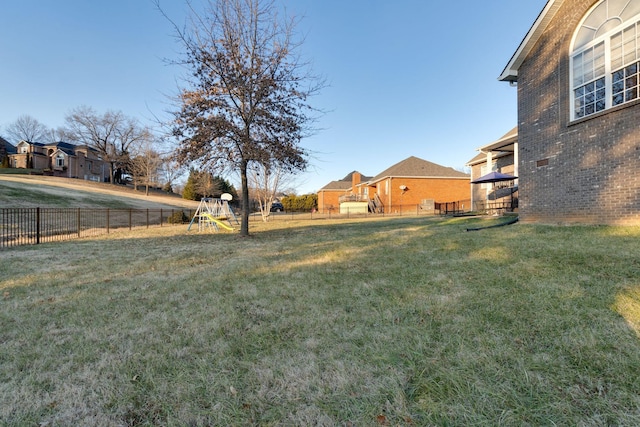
column 277, row 207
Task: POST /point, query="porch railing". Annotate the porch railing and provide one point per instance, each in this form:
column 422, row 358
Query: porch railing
column 352, row 198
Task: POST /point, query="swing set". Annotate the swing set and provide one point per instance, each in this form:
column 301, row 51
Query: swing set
column 213, row 214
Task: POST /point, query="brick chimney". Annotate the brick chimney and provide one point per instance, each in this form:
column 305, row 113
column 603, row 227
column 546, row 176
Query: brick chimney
column 355, row 180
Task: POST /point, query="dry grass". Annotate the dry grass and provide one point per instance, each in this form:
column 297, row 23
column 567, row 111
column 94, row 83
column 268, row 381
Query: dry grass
column 359, row 322
column 27, row 191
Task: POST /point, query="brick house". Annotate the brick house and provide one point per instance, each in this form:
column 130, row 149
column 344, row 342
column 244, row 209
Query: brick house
column 329, row 195
column 412, row 184
column 498, row 156
column 577, row 73
column 62, row 159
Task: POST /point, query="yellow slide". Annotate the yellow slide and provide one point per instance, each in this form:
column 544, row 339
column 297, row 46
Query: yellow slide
column 216, row 221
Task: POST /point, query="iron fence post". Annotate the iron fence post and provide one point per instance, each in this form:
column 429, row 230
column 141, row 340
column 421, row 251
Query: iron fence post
column 37, row 225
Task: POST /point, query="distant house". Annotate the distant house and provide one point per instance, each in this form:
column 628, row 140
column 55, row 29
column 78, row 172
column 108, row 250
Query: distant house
column 330, row 195
column 413, row 183
column 578, row 77
column 498, row 156
column 60, row 159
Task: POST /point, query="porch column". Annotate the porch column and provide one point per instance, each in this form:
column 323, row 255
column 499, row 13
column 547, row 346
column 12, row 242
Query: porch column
column 489, row 170
column 516, row 159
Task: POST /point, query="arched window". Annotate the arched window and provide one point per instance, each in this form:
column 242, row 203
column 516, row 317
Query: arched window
column 605, row 58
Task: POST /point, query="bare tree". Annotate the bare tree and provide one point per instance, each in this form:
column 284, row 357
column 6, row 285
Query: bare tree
column 265, row 182
column 246, row 100
column 113, row 134
column 206, row 184
column 26, row 128
column 170, row 170
column 54, row 135
column 145, row 164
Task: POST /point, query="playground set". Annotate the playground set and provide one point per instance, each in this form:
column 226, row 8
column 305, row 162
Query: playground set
column 213, row 214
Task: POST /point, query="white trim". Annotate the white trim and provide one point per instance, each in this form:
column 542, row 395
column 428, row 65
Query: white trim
column 510, row 72
column 608, row 72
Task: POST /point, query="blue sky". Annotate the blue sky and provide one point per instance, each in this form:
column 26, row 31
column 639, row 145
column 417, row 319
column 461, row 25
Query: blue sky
column 406, row 77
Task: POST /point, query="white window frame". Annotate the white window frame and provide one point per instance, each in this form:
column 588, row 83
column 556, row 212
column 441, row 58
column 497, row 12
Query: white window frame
column 605, row 39
column 59, row 160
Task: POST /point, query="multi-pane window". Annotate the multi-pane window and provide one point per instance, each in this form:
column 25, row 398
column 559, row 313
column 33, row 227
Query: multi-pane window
column 624, row 57
column 606, row 57
column 60, row 160
column 625, row 84
column 589, row 81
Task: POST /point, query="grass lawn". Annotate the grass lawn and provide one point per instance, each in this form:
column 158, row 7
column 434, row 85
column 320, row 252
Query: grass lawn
column 398, row 321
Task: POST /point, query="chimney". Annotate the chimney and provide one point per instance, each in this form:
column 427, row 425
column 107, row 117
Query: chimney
column 355, row 180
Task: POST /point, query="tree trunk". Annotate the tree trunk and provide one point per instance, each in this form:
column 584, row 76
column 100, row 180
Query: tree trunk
column 112, row 173
column 244, row 223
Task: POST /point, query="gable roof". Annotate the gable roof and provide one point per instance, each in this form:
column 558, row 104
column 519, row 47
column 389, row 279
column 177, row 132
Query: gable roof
column 65, row 147
column 345, row 183
column 479, row 158
column 504, row 143
column 502, row 146
column 337, row 185
column 415, row 167
column 510, row 72
column 349, row 177
column 23, row 142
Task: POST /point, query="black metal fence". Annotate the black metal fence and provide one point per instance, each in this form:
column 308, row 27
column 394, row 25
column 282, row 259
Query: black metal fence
column 449, row 208
column 436, row 208
column 31, row 226
column 452, row 208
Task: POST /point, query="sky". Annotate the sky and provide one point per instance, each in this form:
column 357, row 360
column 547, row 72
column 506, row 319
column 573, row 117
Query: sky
column 404, row 77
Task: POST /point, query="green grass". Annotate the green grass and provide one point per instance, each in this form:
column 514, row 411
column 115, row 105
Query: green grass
column 401, row 321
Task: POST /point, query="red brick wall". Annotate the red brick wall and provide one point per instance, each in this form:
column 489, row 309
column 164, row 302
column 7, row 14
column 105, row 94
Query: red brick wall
column 418, row 189
column 328, row 199
column 584, row 171
column 439, row 189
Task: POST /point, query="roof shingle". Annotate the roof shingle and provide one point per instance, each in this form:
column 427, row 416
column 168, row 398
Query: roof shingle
column 416, row 167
